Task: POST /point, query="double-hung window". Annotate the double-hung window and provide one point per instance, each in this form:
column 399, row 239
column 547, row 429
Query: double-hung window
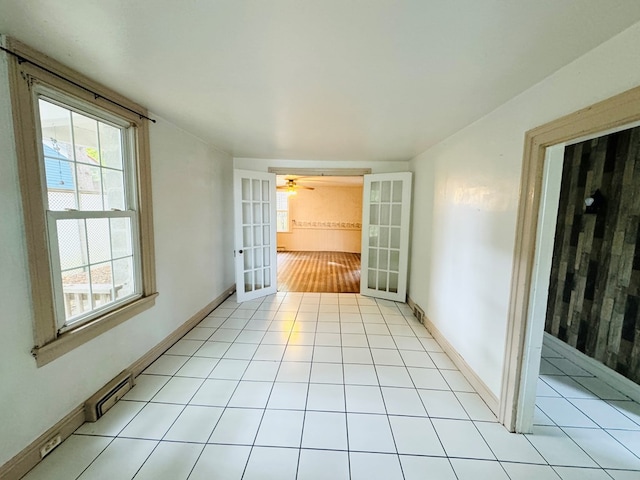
column 84, row 174
column 282, row 211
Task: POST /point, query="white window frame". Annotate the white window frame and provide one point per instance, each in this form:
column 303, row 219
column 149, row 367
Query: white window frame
column 286, row 194
column 41, row 77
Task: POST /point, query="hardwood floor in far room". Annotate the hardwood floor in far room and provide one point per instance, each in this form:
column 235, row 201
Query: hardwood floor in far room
column 329, row 272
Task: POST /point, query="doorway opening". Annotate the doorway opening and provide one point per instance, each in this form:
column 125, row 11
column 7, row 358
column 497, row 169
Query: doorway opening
column 535, row 235
column 319, row 232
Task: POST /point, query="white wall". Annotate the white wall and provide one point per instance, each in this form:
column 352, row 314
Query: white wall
column 466, row 198
column 192, row 205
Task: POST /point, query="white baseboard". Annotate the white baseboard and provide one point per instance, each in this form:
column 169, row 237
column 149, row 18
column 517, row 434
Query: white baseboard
column 476, row 382
column 594, row 367
column 29, row 457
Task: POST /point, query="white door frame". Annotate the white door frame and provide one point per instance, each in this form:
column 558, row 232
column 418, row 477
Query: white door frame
column 520, row 365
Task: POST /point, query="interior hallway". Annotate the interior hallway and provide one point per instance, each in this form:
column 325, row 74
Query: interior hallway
column 328, row 386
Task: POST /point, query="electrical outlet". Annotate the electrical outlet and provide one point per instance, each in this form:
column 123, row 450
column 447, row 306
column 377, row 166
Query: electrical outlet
column 48, row 447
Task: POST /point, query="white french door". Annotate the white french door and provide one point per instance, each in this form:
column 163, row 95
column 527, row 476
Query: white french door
column 386, row 213
column 255, row 234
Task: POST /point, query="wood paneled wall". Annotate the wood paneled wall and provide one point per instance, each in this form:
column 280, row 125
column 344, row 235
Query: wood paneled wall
column 594, row 293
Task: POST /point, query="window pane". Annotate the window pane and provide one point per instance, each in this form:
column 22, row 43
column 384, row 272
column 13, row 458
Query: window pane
column 85, row 139
column 110, row 146
column 83, row 160
column 123, row 277
column 121, row 237
column 113, row 189
column 98, row 239
column 72, row 244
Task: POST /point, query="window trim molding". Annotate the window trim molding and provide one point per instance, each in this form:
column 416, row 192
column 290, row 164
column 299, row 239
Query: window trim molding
column 50, row 345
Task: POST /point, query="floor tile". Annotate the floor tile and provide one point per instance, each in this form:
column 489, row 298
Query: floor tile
column 558, row 449
column 185, row 347
column 271, row 464
column 369, row 433
column 281, row 428
column 442, row 404
column 198, row 367
column 153, row 421
column 630, row 439
column 415, row 436
column 567, row 387
column 355, row 374
column 294, row 372
column 383, row 356
column 325, row 430
column 166, row 365
column 110, row 425
column 576, row 473
column 364, row 399
column 213, row 349
column 475, row 469
column 603, row 414
column 251, row 395
column 178, row 390
column 194, row 424
column 214, row 393
column 237, row 426
column 403, row 401
column 327, row 354
column 442, row 361
column 428, row 378
column 200, row 333
column 269, row 352
column 291, row 396
column 461, row 439
column 629, row 409
column 326, row 373
column 523, row 471
column 354, row 339
column 325, row 397
column 419, row 359
column 374, row 466
column 508, row 447
column 228, row 461
column 227, row 369
column 563, row 413
column 603, row 448
column 381, row 341
column 357, row 355
column 568, row 367
column 241, row 351
column 456, row 381
column 600, row 389
column 69, row 459
column 146, row 386
column 323, row 464
column 409, row 344
column 415, row 468
column 121, row 459
column 393, row 376
column 170, row 461
column 259, row 370
column 475, row 407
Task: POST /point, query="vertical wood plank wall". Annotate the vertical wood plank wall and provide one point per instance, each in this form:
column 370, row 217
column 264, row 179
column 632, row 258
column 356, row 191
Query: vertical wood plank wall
column 594, row 292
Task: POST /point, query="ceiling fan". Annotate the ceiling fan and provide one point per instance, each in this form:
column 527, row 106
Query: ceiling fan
column 291, row 186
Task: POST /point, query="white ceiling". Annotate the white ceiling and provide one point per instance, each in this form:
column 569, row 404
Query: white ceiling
column 322, row 79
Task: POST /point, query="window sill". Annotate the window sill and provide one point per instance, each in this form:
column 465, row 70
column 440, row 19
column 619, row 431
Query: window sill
column 74, row 338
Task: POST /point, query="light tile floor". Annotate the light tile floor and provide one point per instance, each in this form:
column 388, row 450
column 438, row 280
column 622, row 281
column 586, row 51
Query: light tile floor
column 339, row 386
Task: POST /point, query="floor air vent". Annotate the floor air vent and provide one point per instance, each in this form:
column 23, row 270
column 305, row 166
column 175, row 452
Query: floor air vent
column 418, row 313
column 107, row 397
